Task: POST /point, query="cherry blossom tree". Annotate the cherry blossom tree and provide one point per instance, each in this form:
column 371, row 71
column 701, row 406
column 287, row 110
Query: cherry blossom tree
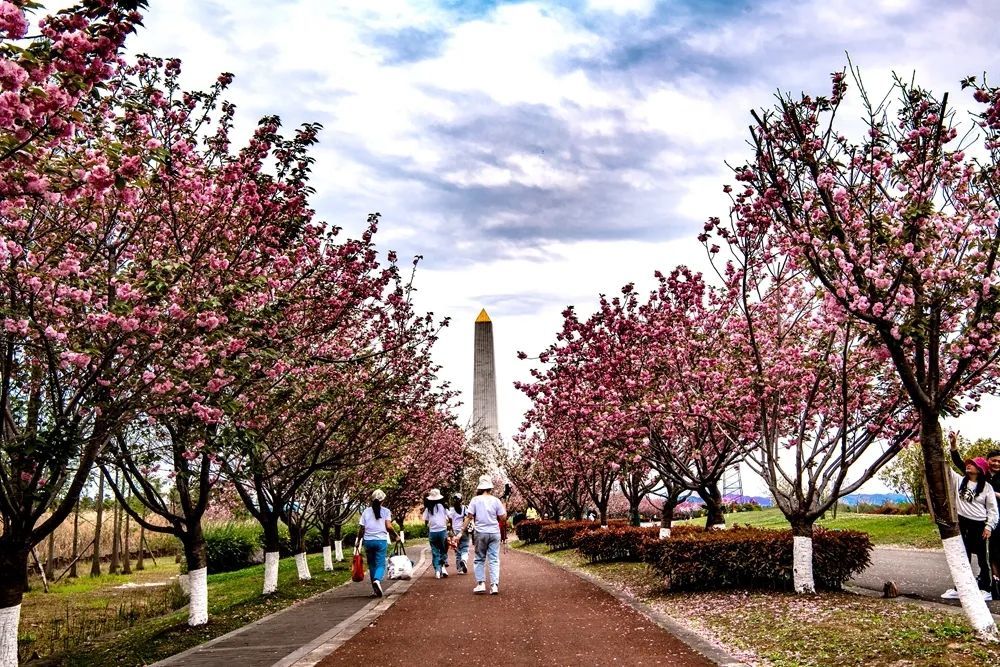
column 237, row 228
column 827, row 398
column 899, row 228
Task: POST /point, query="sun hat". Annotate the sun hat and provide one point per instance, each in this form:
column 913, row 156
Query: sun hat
column 378, row 494
column 457, row 495
column 485, row 482
column 435, row 494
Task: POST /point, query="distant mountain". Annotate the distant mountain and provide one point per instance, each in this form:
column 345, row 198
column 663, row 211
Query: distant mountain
column 874, row 498
column 852, row 500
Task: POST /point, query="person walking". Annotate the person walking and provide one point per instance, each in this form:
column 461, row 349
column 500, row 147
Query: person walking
column 436, row 519
column 460, row 538
column 993, row 458
column 488, row 516
column 374, row 532
column 978, row 512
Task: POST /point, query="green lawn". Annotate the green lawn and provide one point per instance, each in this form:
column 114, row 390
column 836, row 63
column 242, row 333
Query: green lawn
column 911, row 531
column 91, row 622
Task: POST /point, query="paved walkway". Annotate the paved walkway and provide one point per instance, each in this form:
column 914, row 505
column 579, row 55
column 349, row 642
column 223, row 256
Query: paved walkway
column 543, row 616
column 300, row 634
column 920, row 573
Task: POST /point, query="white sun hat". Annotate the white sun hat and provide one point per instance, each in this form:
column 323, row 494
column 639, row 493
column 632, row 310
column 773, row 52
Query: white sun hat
column 485, row 482
column 435, row 494
column 378, row 495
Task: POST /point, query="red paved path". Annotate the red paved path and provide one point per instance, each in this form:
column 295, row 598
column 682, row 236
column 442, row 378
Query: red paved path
column 543, row 616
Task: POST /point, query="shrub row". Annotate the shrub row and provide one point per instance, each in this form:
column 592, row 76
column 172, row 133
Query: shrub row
column 236, row 545
column 560, row 535
column 744, row 557
column 529, row 530
column 623, row 543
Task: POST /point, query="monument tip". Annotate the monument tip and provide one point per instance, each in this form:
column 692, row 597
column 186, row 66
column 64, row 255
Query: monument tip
column 483, row 316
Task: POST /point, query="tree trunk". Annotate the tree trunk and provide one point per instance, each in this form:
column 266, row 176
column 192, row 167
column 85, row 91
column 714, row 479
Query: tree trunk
column 116, row 528
column 716, row 519
column 76, row 541
column 50, row 556
column 13, row 578
column 298, row 535
column 939, row 496
column 338, row 541
column 666, row 518
column 127, row 557
column 327, row 548
column 95, row 563
column 802, row 554
column 140, row 564
column 602, row 510
column 272, row 547
column 197, row 565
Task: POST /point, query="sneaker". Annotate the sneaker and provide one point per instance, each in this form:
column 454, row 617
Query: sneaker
column 494, row 589
column 461, row 568
column 480, row 587
column 377, row 587
column 950, row 594
column 437, row 574
column 444, row 573
column 987, row 595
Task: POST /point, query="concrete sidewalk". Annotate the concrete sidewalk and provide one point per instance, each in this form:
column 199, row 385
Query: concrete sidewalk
column 303, row 633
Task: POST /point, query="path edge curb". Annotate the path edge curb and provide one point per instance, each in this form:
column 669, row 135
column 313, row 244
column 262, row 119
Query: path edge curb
column 169, row 660
column 323, row 646
column 694, row 641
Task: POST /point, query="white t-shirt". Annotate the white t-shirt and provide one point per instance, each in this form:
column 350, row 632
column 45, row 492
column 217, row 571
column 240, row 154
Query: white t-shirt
column 437, row 521
column 375, row 526
column 484, row 510
column 457, row 518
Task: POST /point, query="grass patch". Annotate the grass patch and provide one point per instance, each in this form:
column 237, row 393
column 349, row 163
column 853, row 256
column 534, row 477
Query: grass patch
column 234, row 600
column 786, row 630
column 911, row 531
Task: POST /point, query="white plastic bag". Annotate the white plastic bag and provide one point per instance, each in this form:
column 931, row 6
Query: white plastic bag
column 400, row 567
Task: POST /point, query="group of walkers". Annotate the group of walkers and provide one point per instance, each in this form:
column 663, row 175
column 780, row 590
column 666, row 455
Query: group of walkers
column 483, row 523
column 977, row 498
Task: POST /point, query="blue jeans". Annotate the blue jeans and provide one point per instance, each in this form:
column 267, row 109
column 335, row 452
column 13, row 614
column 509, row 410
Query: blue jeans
column 463, row 548
column 439, row 548
column 487, row 547
column 375, row 551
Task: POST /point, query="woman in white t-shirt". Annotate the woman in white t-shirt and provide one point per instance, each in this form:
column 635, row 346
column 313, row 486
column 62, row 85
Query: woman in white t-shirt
column 374, row 532
column 436, row 518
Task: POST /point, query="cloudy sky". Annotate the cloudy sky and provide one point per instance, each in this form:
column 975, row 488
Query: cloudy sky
column 539, row 153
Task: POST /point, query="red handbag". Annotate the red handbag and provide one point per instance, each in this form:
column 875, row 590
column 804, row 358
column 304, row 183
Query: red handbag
column 357, row 568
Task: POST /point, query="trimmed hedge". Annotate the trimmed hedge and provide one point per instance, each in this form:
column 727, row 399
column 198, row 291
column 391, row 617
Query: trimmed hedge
column 529, row 530
column 744, row 557
column 623, row 543
column 560, row 534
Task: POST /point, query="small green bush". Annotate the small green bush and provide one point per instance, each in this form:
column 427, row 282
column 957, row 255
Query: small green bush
column 623, row 543
column 744, row 557
column 231, row 546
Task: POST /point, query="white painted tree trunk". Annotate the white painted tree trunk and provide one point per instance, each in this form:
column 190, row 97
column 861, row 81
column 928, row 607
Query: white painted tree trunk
column 327, row 558
column 198, row 607
column 402, row 537
column 973, row 605
column 664, row 533
column 338, row 549
column 10, row 617
column 271, row 559
column 802, row 564
column 302, row 566
column 718, row 526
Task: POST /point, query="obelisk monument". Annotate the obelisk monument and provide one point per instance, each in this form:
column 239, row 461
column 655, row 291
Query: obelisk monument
column 484, row 381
